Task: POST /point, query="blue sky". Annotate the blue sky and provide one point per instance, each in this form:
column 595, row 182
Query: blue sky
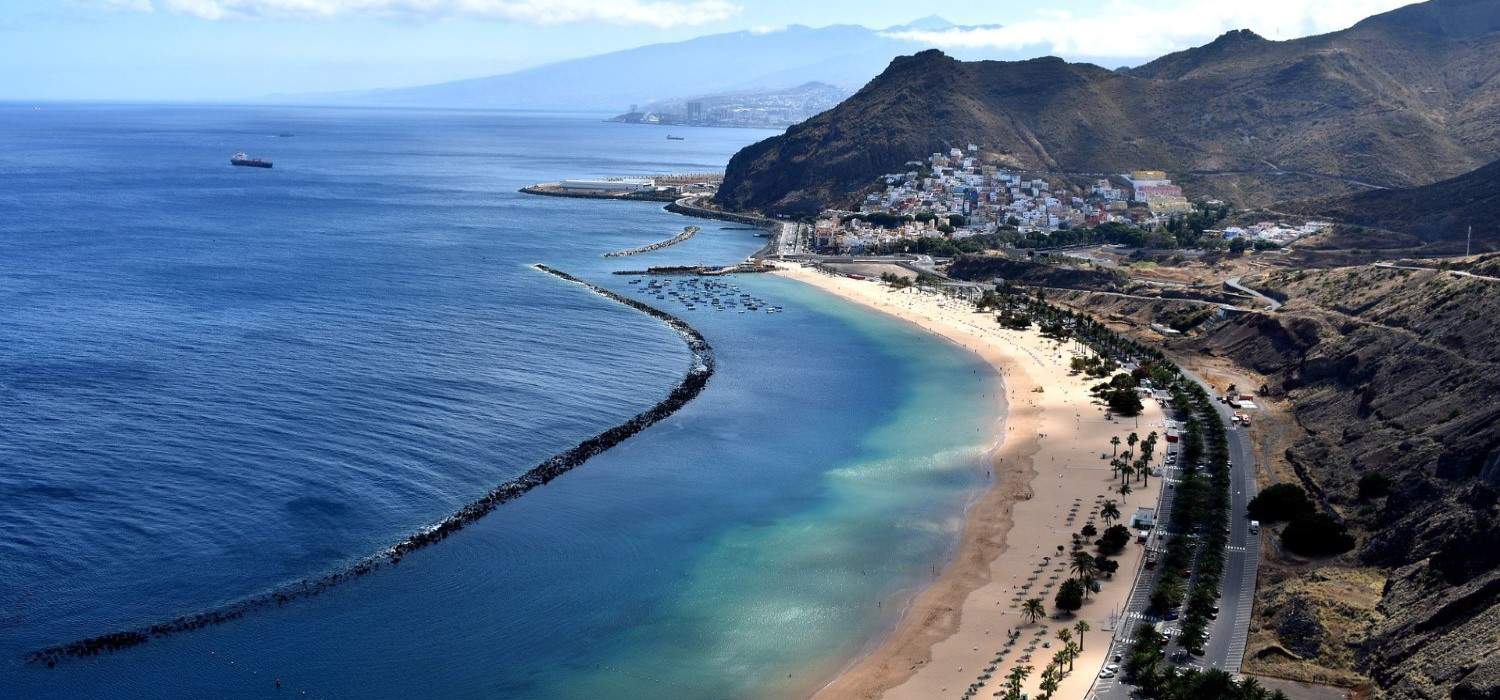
column 224, row 49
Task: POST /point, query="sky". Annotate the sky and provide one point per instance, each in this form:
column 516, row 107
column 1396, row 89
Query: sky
column 185, row 50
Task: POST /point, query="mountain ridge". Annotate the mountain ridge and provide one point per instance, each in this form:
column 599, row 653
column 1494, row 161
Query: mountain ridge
column 1401, row 99
column 845, row 55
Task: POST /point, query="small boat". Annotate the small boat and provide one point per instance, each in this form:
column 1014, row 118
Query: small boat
column 676, row 138
column 245, row 161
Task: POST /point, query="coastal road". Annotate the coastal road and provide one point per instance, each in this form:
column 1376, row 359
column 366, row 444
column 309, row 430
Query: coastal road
column 1226, row 636
column 1225, row 648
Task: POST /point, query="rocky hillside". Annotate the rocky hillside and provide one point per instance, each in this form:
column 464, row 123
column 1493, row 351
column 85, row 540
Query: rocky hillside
column 1438, row 214
column 1405, row 98
column 1392, row 372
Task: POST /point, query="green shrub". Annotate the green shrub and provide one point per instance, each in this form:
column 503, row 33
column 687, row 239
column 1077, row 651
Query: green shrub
column 1317, row 535
column 1280, row 503
column 1069, row 595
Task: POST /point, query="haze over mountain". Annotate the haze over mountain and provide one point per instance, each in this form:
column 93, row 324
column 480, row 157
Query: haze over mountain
column 1400, row 99
column 846, row 56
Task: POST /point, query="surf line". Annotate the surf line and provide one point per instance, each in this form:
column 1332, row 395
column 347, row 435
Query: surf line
column 699, row 371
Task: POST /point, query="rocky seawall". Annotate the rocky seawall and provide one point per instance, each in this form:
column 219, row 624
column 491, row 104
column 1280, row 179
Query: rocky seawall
column 547, row 190
column 700, row 369
column 687, row 233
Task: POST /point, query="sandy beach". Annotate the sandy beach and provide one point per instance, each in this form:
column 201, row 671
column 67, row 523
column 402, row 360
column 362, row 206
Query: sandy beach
column 1051, row 473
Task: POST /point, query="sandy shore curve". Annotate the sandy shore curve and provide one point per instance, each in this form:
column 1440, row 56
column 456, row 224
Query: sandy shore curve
column 1051, row 472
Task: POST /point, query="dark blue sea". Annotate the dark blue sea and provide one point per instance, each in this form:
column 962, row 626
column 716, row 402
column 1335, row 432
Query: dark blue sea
column 215, row 381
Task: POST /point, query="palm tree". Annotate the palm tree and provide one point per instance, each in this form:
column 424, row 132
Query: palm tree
column 1014, row 680
column 1124, row 489
column 1126, row 471
column 1072, row 648
column 1080, row 627
column 1048, row 686
column 1084, row 565
column 1115, row 443
column 1033, row 609
column 1110, row 512
column 1065, row 635
column 1132, row 439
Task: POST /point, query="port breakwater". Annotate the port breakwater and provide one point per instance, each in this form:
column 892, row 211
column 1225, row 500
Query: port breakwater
column 687, row 232
column 700, row 369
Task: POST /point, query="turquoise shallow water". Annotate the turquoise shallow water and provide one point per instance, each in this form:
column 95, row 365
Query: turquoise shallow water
column 216, row 381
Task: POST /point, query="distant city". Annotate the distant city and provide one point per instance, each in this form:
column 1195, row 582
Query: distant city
column 760, row 109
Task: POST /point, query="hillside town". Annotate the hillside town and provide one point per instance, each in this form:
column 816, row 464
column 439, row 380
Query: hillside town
column 957, row 195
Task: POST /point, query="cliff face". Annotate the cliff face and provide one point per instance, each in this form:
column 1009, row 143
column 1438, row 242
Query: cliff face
column 1405, row 98
column 1392, row 372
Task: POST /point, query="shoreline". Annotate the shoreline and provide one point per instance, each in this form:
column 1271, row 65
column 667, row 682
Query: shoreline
column 948, row 633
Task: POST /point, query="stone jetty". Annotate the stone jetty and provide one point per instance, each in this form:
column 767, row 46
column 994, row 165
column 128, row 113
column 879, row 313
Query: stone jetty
column 687, row 233
column 699, row 371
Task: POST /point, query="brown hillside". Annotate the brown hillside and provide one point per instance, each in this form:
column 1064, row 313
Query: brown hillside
column 1404, row 98
column 1392, row 372
column 1438, row 214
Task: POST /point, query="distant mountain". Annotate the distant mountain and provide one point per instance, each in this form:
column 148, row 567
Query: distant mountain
column 775, row 109
column 842, row 55
column 1439, row 213
column 1401, row 99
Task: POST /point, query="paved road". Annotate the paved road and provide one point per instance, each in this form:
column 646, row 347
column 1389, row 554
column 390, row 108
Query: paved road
column 1455, row 273
column 1234, row 283
column 1226, row 636
column 1225, row 648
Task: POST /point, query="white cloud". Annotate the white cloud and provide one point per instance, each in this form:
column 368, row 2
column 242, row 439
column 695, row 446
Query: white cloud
column 1137, row 28
column 654, row 13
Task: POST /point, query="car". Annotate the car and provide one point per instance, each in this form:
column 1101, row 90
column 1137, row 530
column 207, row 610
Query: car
column 1106, row 674
column 1112, row 668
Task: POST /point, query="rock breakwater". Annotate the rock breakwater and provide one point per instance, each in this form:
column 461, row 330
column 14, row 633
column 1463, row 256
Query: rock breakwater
column 687, row 233
column 699, row 371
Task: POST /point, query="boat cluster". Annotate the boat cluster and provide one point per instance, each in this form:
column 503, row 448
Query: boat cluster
column 706, row 293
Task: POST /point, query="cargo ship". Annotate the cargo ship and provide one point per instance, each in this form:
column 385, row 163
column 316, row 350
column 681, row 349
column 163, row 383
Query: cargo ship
column 246, row 161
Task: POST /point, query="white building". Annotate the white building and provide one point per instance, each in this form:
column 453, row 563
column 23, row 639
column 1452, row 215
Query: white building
column 610, row 184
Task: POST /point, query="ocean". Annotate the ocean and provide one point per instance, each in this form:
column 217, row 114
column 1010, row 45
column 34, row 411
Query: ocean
column 215, row 381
